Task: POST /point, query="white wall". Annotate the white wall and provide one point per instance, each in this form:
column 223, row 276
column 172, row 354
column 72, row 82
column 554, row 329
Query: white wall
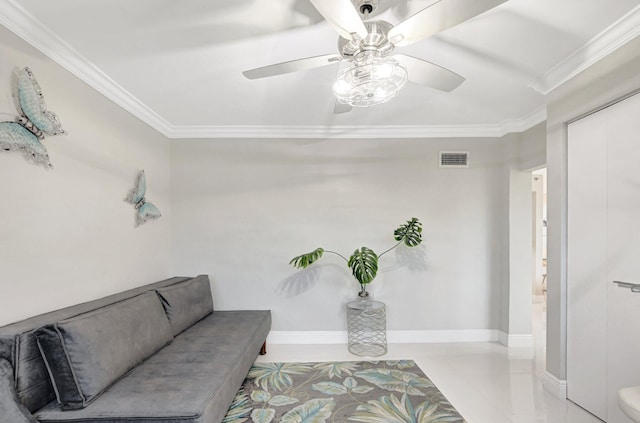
column 531, row 150
column 243, row 208
column 66, row 235
column 238, row 210
column 520, row 242
column 611, row 78
column 522, row 152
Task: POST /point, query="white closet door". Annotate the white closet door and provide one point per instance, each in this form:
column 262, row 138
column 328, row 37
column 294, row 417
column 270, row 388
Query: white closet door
column 586, row 265
column 623, row 259
column 603, row 320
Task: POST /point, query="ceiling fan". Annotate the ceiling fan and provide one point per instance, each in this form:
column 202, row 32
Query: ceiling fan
column 369, row 74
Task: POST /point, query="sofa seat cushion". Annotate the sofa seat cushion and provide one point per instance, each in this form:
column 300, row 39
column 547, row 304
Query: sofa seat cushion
column 192, row 380
column 87, row 353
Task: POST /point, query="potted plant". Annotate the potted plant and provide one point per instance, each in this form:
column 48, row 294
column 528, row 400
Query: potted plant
column 364, row 262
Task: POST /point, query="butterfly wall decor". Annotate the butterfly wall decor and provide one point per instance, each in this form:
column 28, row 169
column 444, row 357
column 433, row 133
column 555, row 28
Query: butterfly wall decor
column 35, row 121
column 144, row 209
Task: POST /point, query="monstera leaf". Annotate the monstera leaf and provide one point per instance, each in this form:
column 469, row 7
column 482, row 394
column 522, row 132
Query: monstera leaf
column 364, row 265
column 410, row 233
column 364, row 262
column 305, row 260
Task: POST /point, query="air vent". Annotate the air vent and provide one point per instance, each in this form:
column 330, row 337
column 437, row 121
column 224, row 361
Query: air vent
column 454, row 159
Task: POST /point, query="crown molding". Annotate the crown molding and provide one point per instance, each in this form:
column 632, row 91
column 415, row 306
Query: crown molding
column 353, row 132
column 15, row 18
column 524, row 123
column 386, row 131
column 616, row 35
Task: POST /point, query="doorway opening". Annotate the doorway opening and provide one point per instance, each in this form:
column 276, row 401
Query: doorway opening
column 539, row 252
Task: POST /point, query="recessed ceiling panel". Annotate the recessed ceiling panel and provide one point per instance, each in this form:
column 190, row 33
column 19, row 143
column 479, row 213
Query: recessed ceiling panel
column 184, row 60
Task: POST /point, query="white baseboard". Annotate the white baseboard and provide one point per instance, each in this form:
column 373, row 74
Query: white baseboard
column 393, row 336
column 516, row 341
column 307, row 337
column 503, row 338
column 440, row 336
column 406, row 337
column 557, row 387
column 520, row 341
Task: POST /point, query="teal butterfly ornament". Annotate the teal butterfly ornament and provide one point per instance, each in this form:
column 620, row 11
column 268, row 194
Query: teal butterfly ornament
column 27, row 131
column 144, row 209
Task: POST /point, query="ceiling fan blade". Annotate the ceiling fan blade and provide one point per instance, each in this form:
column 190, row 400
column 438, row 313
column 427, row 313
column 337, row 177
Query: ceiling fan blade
column 343, row 16
column 292, row 66
column 426, row 73
column 340, row 108
column 438, row 17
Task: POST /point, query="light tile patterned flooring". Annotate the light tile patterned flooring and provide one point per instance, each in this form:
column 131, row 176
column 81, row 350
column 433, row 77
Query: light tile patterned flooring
column 486, row 382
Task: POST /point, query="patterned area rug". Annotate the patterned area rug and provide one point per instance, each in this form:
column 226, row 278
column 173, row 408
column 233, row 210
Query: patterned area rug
column 354, row 391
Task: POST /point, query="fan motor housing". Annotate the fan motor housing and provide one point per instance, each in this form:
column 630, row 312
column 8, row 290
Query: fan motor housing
column 376, row 40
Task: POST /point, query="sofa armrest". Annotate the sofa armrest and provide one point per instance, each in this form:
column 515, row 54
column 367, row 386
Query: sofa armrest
column 11, row 409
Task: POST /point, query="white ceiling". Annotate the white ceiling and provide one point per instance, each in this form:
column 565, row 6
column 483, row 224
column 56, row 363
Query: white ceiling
column 178, row 65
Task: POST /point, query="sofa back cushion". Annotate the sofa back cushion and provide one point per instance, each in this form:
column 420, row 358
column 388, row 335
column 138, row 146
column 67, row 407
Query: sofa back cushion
column 19, row 347
column 86, row 354
column 12, row 410
column 187, row 302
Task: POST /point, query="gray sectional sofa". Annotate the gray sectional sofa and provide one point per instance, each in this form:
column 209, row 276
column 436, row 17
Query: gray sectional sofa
column 157, row 353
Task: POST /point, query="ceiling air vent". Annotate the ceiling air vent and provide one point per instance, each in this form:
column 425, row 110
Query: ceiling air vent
column 454, row 159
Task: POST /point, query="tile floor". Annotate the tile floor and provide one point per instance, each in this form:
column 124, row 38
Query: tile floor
column 486, row 382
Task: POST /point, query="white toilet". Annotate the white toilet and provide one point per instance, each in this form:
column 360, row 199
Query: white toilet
column 629, row 402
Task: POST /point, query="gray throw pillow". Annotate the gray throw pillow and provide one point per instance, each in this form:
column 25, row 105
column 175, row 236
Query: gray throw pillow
column 11, row 409
column 86, row 354
column 187, row 302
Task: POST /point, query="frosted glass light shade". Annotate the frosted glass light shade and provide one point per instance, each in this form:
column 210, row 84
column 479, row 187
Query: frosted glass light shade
column 369, row 81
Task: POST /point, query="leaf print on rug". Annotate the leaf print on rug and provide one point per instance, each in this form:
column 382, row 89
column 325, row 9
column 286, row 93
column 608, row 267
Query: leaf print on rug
column 396, row 380
column 313, row 411
column 336, row 369
column 332, row 392
column 276, row 375
column 390, row 409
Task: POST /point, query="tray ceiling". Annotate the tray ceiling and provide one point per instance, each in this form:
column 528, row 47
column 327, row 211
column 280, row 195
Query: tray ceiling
column 178, row 65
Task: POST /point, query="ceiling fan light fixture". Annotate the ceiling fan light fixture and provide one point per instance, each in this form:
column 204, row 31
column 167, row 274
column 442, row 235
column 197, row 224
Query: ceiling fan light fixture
column 368, row 74
column 369, row 81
